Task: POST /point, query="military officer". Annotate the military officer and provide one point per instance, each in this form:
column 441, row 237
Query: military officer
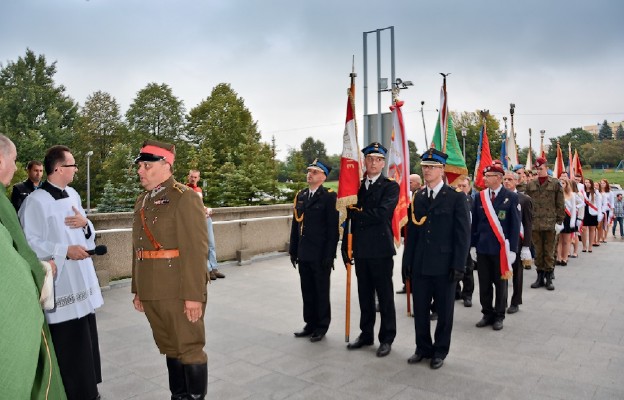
column 169, row 277
column 373, row 249
column 313, row 241
column 495, row 235
column 548, row 214
column 434, row 257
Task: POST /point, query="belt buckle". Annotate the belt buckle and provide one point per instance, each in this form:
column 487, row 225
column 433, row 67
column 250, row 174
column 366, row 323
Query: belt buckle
column 139, row 254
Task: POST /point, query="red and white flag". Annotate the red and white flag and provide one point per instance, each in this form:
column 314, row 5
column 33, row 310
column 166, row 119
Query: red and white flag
column 350, row 171
column 398, row 169
column 558, row 168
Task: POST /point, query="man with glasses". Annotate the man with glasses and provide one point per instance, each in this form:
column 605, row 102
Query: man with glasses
column 169, row 275
column 56, row 227
column 438, row 238
column 495, row 236
column 373, row 250
column 548, row 214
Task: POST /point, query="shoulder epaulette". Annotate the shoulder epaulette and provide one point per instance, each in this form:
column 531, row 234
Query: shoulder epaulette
column 180, row 187
column 390, row 179
column 458, row 190
column 330, row 190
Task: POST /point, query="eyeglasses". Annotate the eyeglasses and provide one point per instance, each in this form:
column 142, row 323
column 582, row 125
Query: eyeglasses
column 69, row 165
column 430, row 166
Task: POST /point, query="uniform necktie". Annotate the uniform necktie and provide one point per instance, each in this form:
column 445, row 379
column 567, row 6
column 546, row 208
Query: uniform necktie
column 492, row 195
column 370, row 182
column 310, row 194
column 430, row 195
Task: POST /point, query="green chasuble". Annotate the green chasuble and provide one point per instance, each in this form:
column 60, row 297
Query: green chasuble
column 17, row 263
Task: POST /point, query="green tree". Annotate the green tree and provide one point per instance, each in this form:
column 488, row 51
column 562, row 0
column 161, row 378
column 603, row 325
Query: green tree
column 157, row 114
column 34, row 111
column 619, row 133
column 98, row 128
column 605, row 132
column 472, row 122
column 523, row 153
column 312, row 149
column 603, row 153
column 414, row 158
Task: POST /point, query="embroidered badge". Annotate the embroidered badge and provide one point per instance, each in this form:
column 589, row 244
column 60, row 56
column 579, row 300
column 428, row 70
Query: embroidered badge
column 506, row 200
column 156, row 190
column 502, row 214
column 161, row 201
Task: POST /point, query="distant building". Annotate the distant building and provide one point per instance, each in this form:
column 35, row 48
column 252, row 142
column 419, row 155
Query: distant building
column 594, row 129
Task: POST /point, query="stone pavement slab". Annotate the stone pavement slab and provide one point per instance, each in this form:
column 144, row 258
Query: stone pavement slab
column 565, row 344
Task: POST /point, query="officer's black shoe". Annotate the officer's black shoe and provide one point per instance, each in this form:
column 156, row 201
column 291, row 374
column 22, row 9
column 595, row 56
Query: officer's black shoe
column 513, row 309
column 177, row 380
column 549, row 278
column 402, row 291
column 384, row 349
column 539, row 282
column 303, row 333
column 317, row 337
column 483, row 322
column 196, row 380
column 497, row 325
column 436, row 363
column 467, row 303
column 359, row 343
column 415, row 358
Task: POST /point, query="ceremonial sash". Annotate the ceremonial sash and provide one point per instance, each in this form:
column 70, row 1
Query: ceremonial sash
column 505, row 265
column 568, row 213
column 593, row 207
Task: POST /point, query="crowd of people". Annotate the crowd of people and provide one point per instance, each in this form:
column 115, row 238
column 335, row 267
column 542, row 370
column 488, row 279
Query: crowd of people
column 520, row 219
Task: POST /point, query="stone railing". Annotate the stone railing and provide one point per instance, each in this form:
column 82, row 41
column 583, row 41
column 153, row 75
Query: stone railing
column 240, row 234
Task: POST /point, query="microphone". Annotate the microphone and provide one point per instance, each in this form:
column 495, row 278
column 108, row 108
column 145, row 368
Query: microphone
column 99, row 250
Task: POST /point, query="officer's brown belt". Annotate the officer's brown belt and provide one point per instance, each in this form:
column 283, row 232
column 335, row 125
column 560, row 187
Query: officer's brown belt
column 146, row 254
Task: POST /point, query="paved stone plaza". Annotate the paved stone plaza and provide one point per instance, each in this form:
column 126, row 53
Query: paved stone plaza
column 566, row 344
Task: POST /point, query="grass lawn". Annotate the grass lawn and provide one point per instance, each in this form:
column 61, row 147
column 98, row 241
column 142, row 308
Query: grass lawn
column 608, row 174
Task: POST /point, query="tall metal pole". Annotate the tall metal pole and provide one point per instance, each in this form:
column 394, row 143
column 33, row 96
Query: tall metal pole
column 422, row 113
column 89, row 154
column 512, row 108
column 464, row 131
column 366, row 133
column 378, row 138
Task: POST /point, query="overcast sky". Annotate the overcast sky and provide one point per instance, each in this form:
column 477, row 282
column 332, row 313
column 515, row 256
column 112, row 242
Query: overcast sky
column 560, row 62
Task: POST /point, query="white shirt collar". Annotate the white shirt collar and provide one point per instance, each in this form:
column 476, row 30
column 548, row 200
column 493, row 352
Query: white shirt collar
column 435, row 189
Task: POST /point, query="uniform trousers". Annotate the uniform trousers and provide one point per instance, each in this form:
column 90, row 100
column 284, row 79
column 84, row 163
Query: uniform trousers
column 544, row 242
column 315, row 293
column 442, row 291
column 492, row 289
column 518, row 271
column 174, row 334
column 78, row 354
column 375, row 275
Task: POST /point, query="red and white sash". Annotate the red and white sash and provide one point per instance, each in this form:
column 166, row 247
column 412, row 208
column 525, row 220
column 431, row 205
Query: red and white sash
column 490, row 213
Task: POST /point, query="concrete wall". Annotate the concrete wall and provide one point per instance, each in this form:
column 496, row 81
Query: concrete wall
column 240, row 234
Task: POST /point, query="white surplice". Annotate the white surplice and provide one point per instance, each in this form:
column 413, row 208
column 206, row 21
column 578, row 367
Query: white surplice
column 77, row 290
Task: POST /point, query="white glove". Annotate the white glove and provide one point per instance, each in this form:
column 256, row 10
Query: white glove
column 558, row 228
column 473, row 254
column 511, row 257
column 525, row 253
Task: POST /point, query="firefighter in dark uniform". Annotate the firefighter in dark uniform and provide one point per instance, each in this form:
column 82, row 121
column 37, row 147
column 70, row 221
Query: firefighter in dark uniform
column 169, row 277
column 438, row 239
column 373, row 249
column 313, row 241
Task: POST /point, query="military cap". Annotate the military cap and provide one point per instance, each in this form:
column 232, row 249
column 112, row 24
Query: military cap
column 540, row 161
column 153, row 150
column 321, row 166
column 376, row 149
column 433, row 157
column 517, row 167
column 495, row 167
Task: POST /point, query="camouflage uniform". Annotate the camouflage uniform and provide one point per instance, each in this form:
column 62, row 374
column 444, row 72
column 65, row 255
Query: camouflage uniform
column 548, row 210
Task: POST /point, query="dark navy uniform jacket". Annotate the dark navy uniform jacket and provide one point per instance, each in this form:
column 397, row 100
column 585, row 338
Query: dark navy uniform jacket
column 315, row 238
column 506, row 208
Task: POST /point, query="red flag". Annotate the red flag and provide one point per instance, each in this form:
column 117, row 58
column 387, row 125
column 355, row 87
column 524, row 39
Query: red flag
column 558, row 168
column 578, row 168
column 570, row 160
column 398, row 169
column 350, row 171
column 484, row 158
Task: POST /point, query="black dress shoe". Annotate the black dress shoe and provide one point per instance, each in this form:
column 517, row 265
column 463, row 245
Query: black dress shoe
column 303, row 333
column 467, row 303
column 384, row 349
column 415, row 358
column 316, row 337
column 359, row 343
column 513, row 309
column 436, row 363
column 497, row 325
column 484, row 322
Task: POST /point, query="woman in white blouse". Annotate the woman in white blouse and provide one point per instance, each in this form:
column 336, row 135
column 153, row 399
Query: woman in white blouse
column 593, row 215
column 607, row 209
column 569, row 222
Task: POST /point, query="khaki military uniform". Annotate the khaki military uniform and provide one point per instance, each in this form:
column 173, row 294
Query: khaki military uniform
column 170, row 246
column 548, row 210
